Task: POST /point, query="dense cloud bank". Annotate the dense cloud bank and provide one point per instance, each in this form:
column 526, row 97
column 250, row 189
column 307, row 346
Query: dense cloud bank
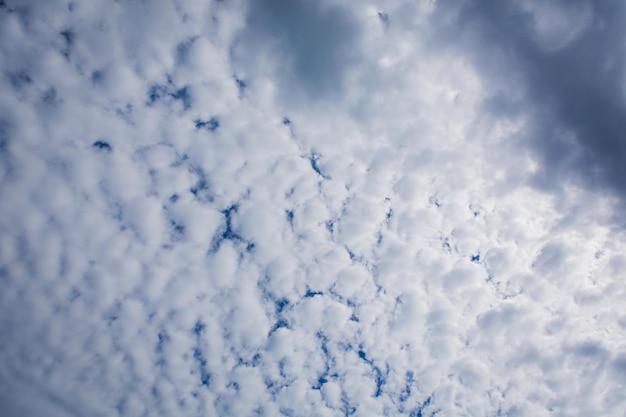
column 562, row 66
column 312, row 208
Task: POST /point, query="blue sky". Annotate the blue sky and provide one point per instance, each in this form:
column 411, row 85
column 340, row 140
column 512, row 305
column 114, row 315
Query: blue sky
column 312, row 208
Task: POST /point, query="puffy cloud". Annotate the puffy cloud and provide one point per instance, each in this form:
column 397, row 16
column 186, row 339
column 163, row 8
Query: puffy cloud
column 296, row 208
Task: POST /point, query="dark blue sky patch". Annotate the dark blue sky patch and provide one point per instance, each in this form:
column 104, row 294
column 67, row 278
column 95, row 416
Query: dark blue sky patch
column 112, row 313
column 163, row 92
column 287, row 412
column 384, row 19
column 289, row 215
column 346, row 407
column 74, row 294
column 205, row 376
column 405, row 394
column 19, row 79
column 50, row 96
column 475, row 258
column 156, row 92
column 125, row 113
column 281, row 305
column 228, row 233
column 286, row 121
column 389, row 215
column 278, row 325
column 68, row 36
column 233, row 385
column 353, row 256
column 241, row 85
column 198, row 328
column 272, row 386
column 378, row 375
column 249, row 361
column 320, row 382
column 329, row 361
column 184, row 96
column 380, row 381
column 162, row 339
column 101, row 145
column 314, row 158
column 201, row 190
column 180, row 160
column 330, row 226
column 197, row 355
column 210, row 125
column 445, row 245
column 228, row 216
column 4, row 137
column 97, row 76
column 179, row 229
column 182, row 50
column 323, row 344
column 419, row 411
column 174, row 198
column 310, row 294
column 256, row 359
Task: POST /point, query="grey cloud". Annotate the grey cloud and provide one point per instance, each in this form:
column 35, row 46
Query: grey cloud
column 312, row 43
column 567, row 58
column 14, row 404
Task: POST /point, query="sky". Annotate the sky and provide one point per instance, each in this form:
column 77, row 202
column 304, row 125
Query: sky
column 312, row 208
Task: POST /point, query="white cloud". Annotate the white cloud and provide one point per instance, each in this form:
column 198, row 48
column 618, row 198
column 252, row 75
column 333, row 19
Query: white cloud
column 233, row 208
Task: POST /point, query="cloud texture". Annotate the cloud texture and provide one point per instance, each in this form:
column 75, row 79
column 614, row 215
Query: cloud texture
column 297, row 208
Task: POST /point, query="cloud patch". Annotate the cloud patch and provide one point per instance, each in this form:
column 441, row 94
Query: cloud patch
column 311, row 45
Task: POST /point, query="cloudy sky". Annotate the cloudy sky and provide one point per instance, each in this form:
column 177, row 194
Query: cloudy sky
column 312, row 208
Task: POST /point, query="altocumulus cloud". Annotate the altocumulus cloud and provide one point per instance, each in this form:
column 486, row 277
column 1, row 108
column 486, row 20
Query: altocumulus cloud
column 307, row 208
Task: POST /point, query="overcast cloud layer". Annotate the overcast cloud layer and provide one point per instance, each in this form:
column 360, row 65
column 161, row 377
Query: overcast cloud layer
column 312, row 208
